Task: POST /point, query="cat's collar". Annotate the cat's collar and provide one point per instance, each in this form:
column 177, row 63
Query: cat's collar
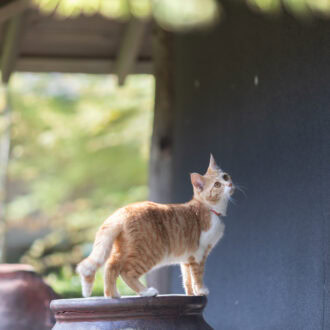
column 216, row 213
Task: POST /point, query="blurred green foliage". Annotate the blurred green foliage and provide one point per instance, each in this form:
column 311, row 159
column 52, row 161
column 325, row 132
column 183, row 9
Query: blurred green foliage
column 110, row 8
column 79, row 151
column 170, row 14
column 299, row 8
column 177, row 15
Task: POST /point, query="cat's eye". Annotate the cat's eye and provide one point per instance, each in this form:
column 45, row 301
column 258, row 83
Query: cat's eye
column 217, row 184
column 225, row 177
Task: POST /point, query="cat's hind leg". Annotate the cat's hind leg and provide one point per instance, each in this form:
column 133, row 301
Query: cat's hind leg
column 132, row 280
column 111, row 273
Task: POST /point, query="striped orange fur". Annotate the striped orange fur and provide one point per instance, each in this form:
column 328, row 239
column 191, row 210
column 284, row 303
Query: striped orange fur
column 146, row 235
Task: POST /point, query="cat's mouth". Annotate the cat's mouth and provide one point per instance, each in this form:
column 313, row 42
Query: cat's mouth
column 229, row 190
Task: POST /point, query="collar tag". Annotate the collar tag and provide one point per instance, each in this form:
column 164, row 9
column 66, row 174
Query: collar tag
column 216, row 213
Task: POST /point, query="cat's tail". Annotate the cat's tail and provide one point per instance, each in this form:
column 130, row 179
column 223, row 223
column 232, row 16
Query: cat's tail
column 104, row 239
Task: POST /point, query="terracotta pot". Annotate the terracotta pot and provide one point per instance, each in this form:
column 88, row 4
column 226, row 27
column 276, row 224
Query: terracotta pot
column 162, row 312
column 24, row 299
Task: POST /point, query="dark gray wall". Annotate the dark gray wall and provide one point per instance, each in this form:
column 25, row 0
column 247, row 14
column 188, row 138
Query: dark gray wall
column 271, row 270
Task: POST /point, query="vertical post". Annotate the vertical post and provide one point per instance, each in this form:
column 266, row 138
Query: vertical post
column 5, row 125
column 10, row 51
column 160, row 173
column 10, row 48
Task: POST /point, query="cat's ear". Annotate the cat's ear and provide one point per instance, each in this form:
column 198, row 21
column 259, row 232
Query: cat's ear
column 213, row 166
column 197, row 181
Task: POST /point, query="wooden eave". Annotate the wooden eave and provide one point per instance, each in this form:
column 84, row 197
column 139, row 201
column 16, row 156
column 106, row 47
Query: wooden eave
column 84, row 44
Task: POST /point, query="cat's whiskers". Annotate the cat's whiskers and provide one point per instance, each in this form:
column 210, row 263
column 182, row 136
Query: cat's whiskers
column 232, row 200
column 240, row 188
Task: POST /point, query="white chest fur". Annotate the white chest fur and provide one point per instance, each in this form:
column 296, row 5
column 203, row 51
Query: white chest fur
column 210, row 237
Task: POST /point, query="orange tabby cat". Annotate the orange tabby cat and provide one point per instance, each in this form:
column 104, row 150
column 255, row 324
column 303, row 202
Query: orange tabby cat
column 143, row 236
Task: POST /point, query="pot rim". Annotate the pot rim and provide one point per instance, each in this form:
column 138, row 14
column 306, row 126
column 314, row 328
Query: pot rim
column 127, row 307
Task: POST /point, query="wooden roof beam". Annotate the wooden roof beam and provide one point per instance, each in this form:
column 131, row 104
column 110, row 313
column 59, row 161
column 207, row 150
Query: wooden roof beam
column 75, row 65
column 129, row 48
column 10, row 48
column 12, row 8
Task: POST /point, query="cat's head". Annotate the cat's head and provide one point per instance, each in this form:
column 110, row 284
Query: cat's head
column 214, row 187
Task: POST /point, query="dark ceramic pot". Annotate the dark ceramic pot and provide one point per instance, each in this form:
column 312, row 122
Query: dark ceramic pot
column 162, row 312
column 24, row 299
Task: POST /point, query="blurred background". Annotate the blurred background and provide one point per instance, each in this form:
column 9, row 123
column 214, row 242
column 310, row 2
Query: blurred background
column 108, row 102
column 80, row 148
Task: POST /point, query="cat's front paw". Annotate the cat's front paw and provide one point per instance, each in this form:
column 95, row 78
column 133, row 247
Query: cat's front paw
column 203, row 291
column 149, row 292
